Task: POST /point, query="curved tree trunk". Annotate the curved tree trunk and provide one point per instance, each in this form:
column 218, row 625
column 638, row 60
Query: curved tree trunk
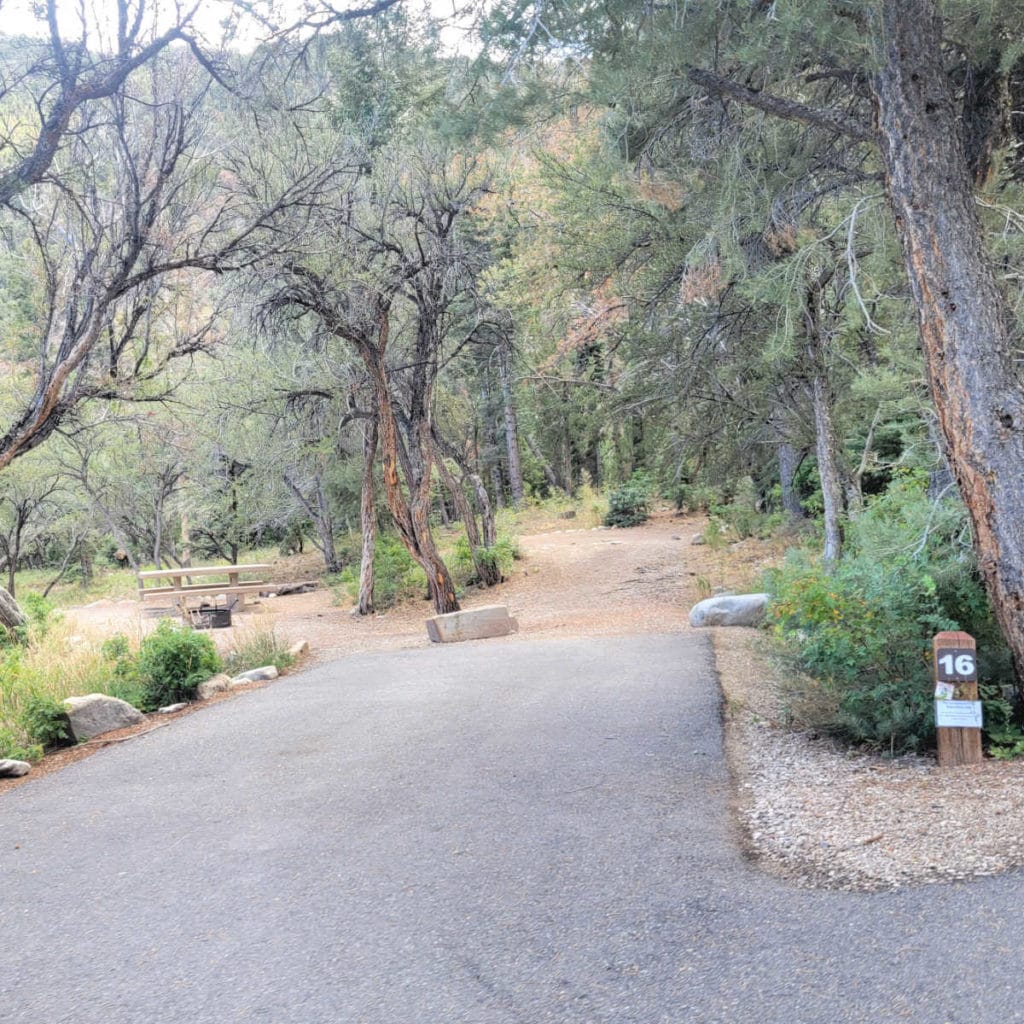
column 967, row 335
column 411, row 516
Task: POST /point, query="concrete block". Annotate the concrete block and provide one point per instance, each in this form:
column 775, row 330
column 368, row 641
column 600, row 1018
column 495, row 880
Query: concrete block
column 472, row 624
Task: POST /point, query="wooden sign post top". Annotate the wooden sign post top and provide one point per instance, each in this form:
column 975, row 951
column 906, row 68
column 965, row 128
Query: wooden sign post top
column 955, row 677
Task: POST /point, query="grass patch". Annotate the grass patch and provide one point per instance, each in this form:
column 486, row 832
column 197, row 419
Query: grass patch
column 253, row 648
column 52, row 663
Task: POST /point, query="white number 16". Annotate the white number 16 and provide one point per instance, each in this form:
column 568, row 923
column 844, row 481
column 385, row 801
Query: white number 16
column 962, row 665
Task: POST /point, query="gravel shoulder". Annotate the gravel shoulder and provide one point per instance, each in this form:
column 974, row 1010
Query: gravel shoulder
column 830, row 818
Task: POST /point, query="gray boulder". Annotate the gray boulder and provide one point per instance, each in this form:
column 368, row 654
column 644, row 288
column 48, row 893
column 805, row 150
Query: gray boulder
column 215, row 684
column 256, row 675
column 13, row 769
column 730, row 610
column 96, row 713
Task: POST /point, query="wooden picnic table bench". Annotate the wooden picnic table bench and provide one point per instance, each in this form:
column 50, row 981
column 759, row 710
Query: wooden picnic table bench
column 180, row 592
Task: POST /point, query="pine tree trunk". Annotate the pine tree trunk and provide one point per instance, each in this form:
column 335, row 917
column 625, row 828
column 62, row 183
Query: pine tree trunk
column 368, row 521
column 825, row 444
column 789, row 463
column 965, row 322
column 828, row 471
column 11, row 616
column 515, row 465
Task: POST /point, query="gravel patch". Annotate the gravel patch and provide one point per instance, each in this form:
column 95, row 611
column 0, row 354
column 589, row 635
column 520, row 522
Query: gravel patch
column 827, row 817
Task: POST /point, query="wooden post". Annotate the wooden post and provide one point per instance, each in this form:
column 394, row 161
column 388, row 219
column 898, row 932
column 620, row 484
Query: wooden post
column 954, row 661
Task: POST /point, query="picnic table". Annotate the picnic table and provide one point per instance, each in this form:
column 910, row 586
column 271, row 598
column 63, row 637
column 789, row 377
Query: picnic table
column 180, row 592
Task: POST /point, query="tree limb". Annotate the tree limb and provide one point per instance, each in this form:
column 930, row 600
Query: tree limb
column 778, row 106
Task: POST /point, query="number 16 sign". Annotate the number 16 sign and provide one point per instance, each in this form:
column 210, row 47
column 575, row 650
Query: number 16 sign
column 957, row 708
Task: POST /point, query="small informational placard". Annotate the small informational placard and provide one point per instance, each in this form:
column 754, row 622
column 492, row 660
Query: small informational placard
column 945, row 691
column 958, row 714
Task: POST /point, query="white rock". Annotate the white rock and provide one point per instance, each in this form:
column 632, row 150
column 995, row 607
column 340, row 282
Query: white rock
column 301, row 647
column 171, row 708
column 699, row 538
column 255, row 675
column 97, row 713
column 734, row 610
column 14, row 769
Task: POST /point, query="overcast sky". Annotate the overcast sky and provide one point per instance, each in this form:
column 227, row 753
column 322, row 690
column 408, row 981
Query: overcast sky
column 16, row 17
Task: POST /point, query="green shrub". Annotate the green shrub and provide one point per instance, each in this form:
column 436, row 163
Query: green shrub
column 396, row 576
column 45, row 721
column 40, row 612
column 862, row 634
column 696, row 497
column 126, row 682
column 13, row 747
column 499, row 557
column 629, row 505
column 173, row 661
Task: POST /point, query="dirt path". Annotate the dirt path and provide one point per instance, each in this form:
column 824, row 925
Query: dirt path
column 571, row 581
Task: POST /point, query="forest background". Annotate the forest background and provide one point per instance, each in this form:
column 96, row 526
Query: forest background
column 760, row 259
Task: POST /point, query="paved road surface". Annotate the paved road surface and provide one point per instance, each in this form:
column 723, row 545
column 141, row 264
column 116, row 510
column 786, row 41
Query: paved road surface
column 472, row 834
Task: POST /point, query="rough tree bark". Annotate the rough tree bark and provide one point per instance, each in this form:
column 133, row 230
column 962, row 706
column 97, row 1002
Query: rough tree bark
column 368, row 520
column 515, row 465
column 789, row 462
column 966, row 327
column 825, row 443
column 412, row 516
column 11, row 616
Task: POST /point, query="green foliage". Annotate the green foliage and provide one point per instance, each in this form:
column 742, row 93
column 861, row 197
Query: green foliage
column 1003, row 736
column 126, row 683
column 41, row 615
column 173, row 661
column 500, row 557
column 863, row 634
column 14, row 747
column 396, row 576
column 629, row 505
column 45, row 721
column 116, row 648
column 714, row 535
column 696, row 497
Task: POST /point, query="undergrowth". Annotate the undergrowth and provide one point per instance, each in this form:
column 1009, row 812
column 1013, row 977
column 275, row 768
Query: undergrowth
column 860, row 635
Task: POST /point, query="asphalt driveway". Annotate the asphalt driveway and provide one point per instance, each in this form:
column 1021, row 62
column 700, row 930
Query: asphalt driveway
column 504, row 831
